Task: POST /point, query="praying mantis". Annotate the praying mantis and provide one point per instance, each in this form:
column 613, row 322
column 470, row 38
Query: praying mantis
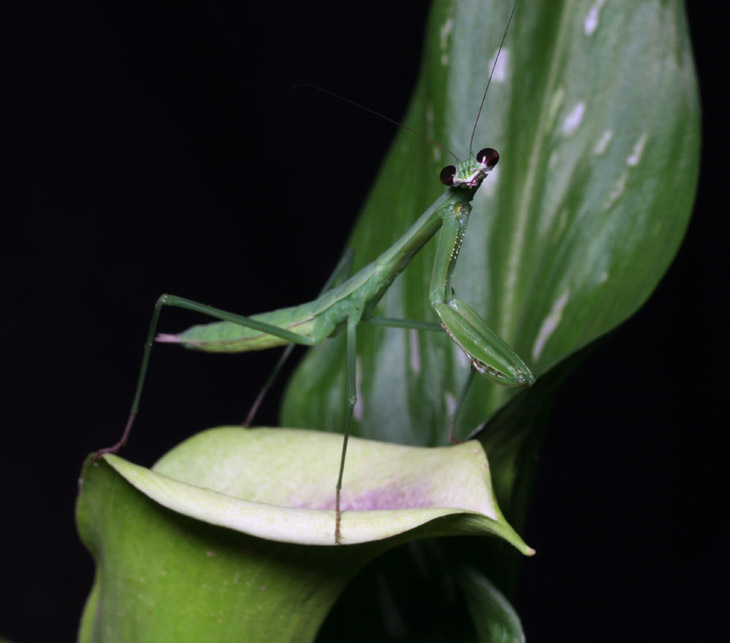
column 352, row 302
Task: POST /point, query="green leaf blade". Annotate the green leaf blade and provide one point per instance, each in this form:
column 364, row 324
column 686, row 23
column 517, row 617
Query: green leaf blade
column 495, row 620
column 594, row 111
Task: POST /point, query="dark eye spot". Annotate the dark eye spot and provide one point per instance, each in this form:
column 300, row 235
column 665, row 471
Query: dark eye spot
column 447, row 175
column 488, row 157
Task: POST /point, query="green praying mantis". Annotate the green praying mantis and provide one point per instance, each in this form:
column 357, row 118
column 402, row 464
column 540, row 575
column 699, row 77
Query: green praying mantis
column 353, row 302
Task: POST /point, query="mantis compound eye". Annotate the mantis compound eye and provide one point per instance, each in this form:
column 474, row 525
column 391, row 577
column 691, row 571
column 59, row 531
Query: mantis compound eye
column 447, row 175
column 488, row 157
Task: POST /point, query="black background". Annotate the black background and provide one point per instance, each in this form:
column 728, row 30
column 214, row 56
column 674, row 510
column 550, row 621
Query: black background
column 158, row 149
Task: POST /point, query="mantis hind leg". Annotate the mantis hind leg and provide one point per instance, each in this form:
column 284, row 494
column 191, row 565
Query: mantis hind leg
column 352, row 322
column 188, row 304
column 342, row 271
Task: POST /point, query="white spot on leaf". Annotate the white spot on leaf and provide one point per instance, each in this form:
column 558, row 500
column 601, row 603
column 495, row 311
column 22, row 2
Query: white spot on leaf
column 556, row 102
column 550, row 324
column 444, row 35
column 591, row 22
column 618, row 190
column 632, row 161
column 500, row 71
column 602, row 144
column 638, row 150
column 573, row 120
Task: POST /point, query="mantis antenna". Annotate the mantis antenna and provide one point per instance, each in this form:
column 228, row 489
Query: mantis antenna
column 489, row 80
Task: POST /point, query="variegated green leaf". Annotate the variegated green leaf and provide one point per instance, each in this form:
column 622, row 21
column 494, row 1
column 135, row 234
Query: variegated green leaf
column 594, row 110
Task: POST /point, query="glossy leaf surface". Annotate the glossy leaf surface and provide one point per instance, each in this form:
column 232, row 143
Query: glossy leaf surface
column 594, row 110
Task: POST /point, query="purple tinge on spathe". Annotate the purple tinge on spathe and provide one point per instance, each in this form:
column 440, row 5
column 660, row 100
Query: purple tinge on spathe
column 380, row 499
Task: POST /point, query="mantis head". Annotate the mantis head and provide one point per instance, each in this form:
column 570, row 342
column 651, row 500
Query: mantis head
column 470, row 173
